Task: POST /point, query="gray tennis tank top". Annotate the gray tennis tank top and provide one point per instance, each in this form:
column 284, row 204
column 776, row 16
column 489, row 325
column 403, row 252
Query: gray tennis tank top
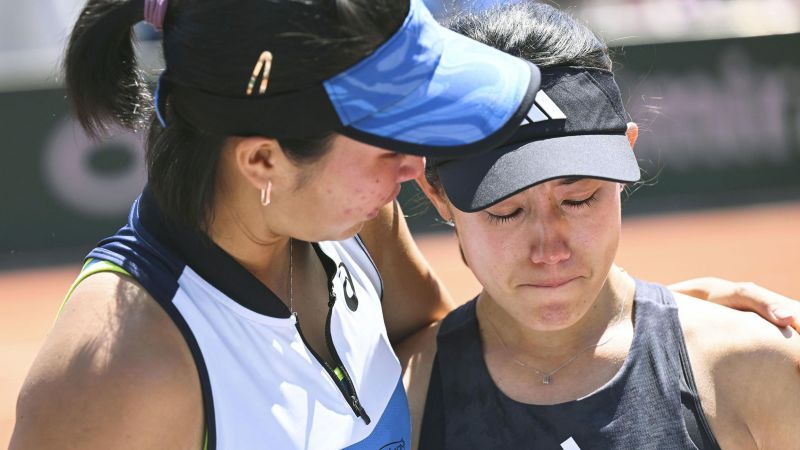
column 651, row 403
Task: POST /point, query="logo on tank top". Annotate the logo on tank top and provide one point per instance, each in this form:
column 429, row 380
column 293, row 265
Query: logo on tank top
column 348, row 287
column 570, row 444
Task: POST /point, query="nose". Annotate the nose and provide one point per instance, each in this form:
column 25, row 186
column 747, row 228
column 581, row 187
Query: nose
column 410, row 167
column 549, row 246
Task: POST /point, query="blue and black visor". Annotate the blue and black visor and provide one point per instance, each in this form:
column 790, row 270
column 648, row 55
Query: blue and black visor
column 426, row 91
column 576, row 128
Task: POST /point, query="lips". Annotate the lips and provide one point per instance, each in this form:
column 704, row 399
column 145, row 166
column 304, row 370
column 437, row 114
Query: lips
column 552, row 283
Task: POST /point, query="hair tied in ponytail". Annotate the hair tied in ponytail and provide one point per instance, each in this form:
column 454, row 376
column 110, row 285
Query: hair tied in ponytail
column 154, row 12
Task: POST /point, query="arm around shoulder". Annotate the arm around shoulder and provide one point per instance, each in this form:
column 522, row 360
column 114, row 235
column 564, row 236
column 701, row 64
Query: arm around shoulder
column 114, row 372
column 748, row 375
column 413, row 296
column 772, row 405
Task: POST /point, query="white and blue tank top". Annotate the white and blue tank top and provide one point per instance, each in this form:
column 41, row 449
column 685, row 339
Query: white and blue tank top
column 262, row 386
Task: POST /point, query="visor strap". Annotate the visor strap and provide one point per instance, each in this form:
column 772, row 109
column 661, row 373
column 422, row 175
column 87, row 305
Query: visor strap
column 160, row 103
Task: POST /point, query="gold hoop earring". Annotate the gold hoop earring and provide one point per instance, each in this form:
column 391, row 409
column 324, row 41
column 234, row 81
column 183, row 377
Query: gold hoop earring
column 266, row 194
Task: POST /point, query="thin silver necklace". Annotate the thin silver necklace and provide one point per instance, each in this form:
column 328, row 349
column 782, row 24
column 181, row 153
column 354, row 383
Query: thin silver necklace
column 547, row 377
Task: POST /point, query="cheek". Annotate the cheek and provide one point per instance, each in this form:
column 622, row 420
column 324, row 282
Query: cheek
column 488, row 253
column 598, row 236
column 367, row 180
column 349, row 193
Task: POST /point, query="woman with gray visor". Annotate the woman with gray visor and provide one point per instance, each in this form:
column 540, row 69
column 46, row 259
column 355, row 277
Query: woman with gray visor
column 238, row 308
column 562, row 349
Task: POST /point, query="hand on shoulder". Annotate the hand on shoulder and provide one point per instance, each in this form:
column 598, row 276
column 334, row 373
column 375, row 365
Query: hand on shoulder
column 747, row 371
column 114, row 372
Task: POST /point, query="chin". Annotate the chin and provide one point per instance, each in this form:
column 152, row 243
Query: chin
column 553, row 312
column 554, row 317
column 347, row 233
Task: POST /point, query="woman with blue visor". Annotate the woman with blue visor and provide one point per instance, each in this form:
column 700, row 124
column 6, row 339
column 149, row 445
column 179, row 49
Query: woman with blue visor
column 239, row 308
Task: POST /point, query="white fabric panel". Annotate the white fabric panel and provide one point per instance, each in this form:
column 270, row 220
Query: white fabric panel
column 300, row 407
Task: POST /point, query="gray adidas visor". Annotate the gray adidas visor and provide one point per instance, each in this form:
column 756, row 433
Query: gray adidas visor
column 576, row 128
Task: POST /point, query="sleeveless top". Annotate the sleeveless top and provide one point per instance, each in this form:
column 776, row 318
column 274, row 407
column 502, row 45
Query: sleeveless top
column 262, row 386
column 651, row 403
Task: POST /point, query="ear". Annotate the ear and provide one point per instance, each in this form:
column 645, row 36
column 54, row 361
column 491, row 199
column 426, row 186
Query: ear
column 259, row 159
column 437, row 198
column 632, row 133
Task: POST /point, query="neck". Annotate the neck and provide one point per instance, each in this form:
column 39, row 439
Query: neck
column 261, row 252
column 549, row 348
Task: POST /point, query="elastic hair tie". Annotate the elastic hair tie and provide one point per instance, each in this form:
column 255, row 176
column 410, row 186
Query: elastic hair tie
column 154, row 12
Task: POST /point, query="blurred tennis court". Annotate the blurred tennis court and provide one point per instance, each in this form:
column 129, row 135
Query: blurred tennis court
column 757, row 244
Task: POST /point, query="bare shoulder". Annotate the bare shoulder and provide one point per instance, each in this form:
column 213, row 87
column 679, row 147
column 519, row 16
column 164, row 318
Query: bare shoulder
column 747, row 370
column 416, row 354
column 114, row 372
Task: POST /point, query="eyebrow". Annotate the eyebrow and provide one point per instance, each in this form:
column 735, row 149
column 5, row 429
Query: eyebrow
column 570, row 180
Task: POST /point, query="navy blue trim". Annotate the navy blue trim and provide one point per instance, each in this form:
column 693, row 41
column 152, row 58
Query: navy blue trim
column 157, row 269
column 328, row 264
column 212, row 263
column 369, row 257
column 202, row 370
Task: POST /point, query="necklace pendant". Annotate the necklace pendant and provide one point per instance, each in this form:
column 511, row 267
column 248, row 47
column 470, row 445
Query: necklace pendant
column 546, row 379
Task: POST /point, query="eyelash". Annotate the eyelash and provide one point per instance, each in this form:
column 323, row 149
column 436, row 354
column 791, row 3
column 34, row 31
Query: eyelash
column 503, row 219
column 576, row 204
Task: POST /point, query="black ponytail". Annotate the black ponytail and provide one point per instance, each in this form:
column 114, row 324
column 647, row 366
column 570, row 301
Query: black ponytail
column 211, row 45
column 103, row 82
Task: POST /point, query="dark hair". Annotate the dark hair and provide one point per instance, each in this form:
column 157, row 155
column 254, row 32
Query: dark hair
column 206, row 44
column 537, row 32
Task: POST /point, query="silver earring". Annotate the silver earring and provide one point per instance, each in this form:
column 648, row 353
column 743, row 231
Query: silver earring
column 450, row 223
column 266, row 194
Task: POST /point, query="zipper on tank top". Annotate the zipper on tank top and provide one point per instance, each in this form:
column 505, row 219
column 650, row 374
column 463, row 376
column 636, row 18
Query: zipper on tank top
column 345, row 385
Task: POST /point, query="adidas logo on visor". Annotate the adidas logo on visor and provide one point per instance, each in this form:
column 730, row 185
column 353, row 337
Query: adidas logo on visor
column 544, row 108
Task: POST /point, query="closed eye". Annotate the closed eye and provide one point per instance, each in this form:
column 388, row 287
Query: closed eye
column 577, row 204
column 505, row 217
